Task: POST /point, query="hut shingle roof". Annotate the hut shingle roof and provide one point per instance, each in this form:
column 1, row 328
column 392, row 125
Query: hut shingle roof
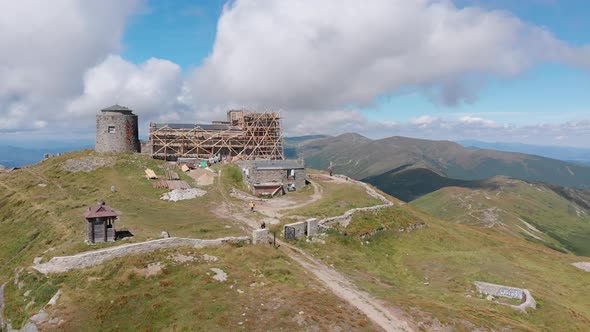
column 99, row 211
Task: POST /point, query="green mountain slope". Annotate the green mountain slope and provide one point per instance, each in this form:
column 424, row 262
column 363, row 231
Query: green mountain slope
column 535, row 212
column 408, row 184
column 430, row 272
column 358, row 156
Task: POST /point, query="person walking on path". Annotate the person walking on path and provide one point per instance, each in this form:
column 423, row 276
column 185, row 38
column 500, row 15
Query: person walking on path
column 252, row 205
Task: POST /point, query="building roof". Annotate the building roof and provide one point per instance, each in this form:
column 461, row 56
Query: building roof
column 100, row 210
column 117, row 108
column 215, row 126
column 279, row 164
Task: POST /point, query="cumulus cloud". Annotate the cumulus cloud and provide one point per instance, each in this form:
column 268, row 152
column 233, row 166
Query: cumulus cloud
column 46, row 47
column 323, row 55
column 317, row 61
column 151, row 87
column 573, row 133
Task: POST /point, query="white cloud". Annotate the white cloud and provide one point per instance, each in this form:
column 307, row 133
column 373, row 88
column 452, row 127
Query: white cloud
column 472, row 120
column 46, row 46
column 575, row 133
column 151, row 87
column 324, row 55
column 315, row 60
column 424, row 120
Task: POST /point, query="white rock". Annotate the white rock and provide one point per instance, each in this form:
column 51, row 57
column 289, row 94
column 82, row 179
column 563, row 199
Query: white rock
column 53, row 300
column 220, row 275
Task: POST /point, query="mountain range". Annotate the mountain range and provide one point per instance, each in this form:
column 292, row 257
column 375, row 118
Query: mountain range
column 565, row 153
column 408, row 168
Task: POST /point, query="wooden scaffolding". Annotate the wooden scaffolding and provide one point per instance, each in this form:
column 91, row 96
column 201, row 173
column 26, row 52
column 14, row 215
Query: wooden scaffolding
column 245, row 135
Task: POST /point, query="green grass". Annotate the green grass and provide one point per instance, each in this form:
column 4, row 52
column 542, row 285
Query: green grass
column 562, row 227
column 263, row 292
column 366, row 222
column 232, row 176
column 142, row 211
column 337, row 199
column 47, row 221
column 430, row 272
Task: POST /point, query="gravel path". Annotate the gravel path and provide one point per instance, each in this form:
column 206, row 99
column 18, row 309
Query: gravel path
column 382, row 314
column 375, row 310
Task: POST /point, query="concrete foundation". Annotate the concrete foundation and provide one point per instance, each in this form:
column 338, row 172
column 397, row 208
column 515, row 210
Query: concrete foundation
column 508, row 292
column 261, row 236
column 312, row 226
column 295, row 230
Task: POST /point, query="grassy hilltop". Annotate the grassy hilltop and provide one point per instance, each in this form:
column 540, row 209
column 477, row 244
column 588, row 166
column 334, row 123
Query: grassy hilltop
column 427, row 273
column 534, row 212
column 264, row 291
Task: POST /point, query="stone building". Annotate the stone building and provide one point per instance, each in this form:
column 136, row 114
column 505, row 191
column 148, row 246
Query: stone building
column 100, row 223
column 117, row 130
column 272, row 177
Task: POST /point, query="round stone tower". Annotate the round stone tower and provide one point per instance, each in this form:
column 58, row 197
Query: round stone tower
column 116, row 130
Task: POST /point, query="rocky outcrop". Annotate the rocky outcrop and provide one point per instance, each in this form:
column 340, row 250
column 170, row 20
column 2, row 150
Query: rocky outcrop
column 86, row 259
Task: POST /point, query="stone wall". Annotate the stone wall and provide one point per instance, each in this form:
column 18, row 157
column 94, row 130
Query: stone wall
column 295, row 230
column 124, row 135
column 276, row 175
column 312, row 226
column 66, row 263
column 260, row 236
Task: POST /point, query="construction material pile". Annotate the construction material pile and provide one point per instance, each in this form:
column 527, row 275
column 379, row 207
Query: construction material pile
column 182, row 194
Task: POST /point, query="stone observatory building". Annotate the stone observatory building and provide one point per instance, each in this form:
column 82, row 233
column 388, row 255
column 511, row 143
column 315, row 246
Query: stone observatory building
column 117, row 130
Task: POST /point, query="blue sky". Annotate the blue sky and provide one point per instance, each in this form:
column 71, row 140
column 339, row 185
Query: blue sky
column 184, row 32
column 493, row 70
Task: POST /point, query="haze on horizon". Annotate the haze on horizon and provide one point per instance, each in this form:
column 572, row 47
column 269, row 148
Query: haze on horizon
column 438, row 69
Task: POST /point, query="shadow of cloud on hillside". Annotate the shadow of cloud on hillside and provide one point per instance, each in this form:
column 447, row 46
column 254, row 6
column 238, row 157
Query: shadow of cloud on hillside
column 408, row 184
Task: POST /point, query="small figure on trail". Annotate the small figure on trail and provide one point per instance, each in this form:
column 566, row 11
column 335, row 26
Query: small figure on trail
column 263, row 225
column 252, row 205
column 331, row 171
column 355, row 178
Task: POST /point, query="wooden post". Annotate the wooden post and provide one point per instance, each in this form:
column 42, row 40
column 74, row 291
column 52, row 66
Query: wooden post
column 105, row 229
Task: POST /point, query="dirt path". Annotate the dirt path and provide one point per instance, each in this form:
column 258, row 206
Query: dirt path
column 380, row 313
column 375, row 310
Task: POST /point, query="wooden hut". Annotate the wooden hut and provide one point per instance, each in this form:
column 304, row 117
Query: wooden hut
column 100, row 223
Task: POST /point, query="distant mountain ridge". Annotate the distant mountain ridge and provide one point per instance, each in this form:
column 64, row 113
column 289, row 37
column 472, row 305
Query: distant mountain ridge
column 361, row 157
column 15, row 156
column 565, row 153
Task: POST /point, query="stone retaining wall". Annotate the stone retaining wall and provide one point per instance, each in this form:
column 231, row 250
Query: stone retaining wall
column 260, row 236
column 66, row 263
column 295, row 230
